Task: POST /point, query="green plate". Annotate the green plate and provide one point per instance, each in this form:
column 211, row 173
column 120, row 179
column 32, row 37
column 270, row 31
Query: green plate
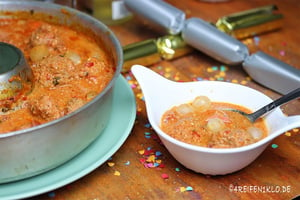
column 115, row 134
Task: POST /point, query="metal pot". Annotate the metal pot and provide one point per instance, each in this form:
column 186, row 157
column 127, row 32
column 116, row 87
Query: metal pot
column 32, row 151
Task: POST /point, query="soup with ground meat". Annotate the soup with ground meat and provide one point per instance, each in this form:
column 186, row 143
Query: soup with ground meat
column 69, row 67
column 209, row 124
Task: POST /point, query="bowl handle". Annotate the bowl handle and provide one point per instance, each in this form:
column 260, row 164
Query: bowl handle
column 294, row 120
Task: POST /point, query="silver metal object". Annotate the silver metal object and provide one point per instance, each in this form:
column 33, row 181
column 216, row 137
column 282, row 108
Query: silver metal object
column 211, row 41
column 15, row 74
column 272, row 72
column 267, row 108
column 32, row 151
column 158, row 13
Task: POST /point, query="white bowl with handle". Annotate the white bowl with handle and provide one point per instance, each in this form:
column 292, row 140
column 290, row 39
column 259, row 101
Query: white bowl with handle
column 161, row 94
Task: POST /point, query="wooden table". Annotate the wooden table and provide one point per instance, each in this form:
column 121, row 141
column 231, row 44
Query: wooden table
column 125, row 176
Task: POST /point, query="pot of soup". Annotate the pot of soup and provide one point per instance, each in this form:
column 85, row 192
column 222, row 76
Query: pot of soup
column 74, row 61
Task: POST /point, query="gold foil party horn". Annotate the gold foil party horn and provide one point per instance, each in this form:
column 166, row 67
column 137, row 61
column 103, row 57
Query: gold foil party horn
column 152, row 51
column 251, row 22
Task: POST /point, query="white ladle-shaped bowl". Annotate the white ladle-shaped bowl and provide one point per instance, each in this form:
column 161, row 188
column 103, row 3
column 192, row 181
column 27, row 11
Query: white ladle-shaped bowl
column 161, row 94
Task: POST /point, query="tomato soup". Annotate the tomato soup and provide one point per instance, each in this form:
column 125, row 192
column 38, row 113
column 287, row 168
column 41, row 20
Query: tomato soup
column 70, row 68
column 211, row 124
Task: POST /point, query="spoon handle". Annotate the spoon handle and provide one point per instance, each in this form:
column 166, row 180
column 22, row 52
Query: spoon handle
column 282, row 100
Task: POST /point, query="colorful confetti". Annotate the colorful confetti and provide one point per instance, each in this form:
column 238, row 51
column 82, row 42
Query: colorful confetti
column 151, row 158
column 51, row 194
column 141, row 152
column 219, row 73
column 147, row 135
column 147, row 125
column 189, row 188
column 274, row 146
column 184, row 189
column 288, row 134
column 158, row 153
column 117, row 173
column 256, row 40
column 165, row 176
column 282, row 53
column 296, row 130
column 127, row 163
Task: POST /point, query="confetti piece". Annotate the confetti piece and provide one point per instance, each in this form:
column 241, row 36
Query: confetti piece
column 256, row 40
column 223, row 68
column 148, row 125
column 295, row 130
column 148, row 152
column 209, row 70
column 151, row 158
column 274, row 146
column 243, row 82
column 248, row 78
column 176, row 77
column 184, row 189
column 117, row 173
column 162, row 165
column 167, row 75
column 222, row 74
column 168, row 69
column 132, row 86
column 127, row 163
column 148, row 165
column 282, row 53
column 51, row 194
column 288, row 134
column 158, row 161
column 128, row 78
column 111, row 164
column 177, row 169
column 140, row 96
column 156, row 164
column 189, row 188
column 147, row 135
column 141, row 151
column 214, row 68
column 165, row 176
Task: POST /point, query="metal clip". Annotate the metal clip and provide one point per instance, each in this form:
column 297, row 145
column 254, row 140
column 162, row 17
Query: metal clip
column 251, row 22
